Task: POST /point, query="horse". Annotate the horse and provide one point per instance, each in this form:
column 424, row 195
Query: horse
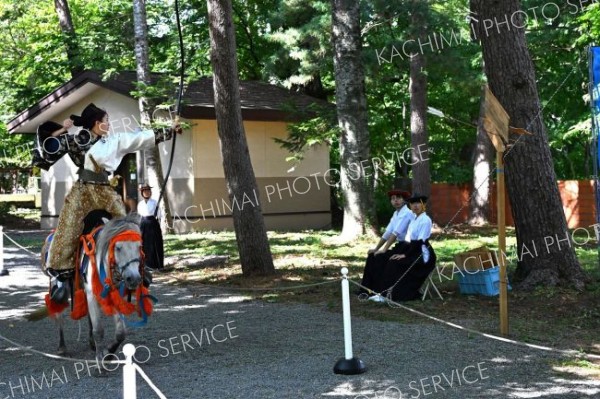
column 110, row 269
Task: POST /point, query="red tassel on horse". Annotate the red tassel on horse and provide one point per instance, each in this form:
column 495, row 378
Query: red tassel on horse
column 120, row 304
column 80, row 308
column 53, row 307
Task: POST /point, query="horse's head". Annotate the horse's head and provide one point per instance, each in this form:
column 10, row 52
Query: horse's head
column 119, row 248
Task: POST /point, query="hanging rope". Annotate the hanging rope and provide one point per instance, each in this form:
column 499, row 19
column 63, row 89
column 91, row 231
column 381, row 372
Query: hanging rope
column 178, row 104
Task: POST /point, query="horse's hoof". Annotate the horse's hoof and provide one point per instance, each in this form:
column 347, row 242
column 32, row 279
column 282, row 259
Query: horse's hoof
column 100, row 356
column 62, row 352
column 93, row 346
column 113, row 348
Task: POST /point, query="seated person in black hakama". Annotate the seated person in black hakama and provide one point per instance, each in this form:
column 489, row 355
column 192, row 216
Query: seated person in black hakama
column 395, row 232
column 405, row 272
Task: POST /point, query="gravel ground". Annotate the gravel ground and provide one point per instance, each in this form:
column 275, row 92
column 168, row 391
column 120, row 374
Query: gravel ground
column 266, row 350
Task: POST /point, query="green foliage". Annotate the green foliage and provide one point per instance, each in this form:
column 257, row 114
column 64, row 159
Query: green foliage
column 559, row 50
column 454, row 80
column 303, row 54
column 318, row 126
column 288, row 42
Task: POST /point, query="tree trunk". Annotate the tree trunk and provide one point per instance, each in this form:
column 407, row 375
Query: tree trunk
column 248, row 221
column 547, row 256
column 66, row 26
column 483, row 156
column 418, row 126
column 356, row 167
column 154, row 175
column 418, row 107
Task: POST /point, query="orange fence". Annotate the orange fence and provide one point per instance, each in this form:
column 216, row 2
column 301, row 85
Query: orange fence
column 450, row 203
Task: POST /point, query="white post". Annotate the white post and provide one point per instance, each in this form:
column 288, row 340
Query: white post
column 346, row 312
column 1, row 251
column 129, row 383
column 349, row 364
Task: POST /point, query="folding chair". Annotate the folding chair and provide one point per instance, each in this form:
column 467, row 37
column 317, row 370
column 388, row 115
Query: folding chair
column 430, row 286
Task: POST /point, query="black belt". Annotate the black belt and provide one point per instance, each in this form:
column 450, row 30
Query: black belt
column 89, row 177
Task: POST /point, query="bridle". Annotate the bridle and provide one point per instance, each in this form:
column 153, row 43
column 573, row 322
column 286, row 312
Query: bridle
column 117, row 270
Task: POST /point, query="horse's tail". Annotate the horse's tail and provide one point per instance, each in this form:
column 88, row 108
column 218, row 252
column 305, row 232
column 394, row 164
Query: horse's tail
column 38, row 315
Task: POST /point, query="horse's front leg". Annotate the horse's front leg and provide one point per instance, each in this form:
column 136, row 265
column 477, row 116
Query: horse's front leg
column 120, row 332
column 97, row 333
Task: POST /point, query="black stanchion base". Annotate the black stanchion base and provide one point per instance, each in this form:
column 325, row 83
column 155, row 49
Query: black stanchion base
column 349, row 366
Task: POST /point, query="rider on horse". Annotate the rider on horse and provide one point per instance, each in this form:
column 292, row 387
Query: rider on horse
column 97, row 154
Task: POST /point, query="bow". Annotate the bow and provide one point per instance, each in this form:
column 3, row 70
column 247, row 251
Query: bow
column 178, row 104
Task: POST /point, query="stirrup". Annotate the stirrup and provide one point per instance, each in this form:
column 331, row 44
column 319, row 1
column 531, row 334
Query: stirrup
column 58, row 291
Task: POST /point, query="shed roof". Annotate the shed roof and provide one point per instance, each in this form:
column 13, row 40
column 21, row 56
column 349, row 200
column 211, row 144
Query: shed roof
column 260, row 101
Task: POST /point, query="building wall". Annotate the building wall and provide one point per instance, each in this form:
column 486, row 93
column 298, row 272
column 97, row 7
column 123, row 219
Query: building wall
column 290, row 197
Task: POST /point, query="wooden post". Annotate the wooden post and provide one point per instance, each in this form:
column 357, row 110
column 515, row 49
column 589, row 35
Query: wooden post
column 502, row 243
column 496, row 124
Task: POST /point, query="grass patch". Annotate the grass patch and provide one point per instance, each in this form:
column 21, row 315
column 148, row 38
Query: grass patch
column 15, row 217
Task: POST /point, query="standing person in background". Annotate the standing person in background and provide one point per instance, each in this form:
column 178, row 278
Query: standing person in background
column 152, row 239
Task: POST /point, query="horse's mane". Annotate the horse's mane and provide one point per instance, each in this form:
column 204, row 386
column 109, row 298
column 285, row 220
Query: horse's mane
column 112, row 228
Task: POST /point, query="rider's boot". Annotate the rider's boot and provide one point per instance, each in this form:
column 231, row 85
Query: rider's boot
column 59, row 292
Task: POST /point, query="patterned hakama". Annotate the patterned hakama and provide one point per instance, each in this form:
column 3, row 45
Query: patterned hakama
column 82, row 199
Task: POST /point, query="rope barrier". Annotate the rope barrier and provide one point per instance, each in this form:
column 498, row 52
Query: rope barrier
column 293, row 287
column 20, row 246
column 149, row 382
column 568, row 352
column 56, row 357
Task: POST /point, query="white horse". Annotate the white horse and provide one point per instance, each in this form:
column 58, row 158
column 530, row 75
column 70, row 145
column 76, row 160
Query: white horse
column 111, row 274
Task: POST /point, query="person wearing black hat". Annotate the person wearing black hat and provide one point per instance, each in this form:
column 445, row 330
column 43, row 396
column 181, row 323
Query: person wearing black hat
column 93, row 189
column 406, row 271
column 53, row 142
column 152, row 240
column 395, row 232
